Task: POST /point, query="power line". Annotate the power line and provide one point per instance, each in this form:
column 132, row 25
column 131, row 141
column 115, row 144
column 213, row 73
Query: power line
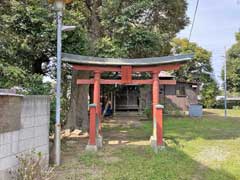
column 194, row 18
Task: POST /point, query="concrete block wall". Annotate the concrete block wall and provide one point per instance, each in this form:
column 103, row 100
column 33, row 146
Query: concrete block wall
column 10, row 112
column 32, row 135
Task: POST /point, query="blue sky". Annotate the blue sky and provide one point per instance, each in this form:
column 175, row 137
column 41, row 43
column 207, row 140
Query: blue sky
column 216, row 23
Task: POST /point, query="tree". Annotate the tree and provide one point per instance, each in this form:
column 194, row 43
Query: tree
column 128, row 29
column 233, row 66
column 194, row 70
column 28, row 34
column 25, row 42
column 28, row 39
column 106, row 28
column 209, row 92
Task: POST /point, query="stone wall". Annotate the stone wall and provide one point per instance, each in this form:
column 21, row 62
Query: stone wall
column 32, row 133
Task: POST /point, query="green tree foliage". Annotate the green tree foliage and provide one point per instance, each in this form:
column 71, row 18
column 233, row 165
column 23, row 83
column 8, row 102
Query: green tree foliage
column 12, row 76
column 233, row 66
column 27, row 37
column 106, row 28
column 194, row 70
column 141, row 28
column 209, row 92
column 28, row 34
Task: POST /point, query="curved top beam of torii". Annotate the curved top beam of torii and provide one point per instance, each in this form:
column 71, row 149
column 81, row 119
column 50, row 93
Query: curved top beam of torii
column 88, row 60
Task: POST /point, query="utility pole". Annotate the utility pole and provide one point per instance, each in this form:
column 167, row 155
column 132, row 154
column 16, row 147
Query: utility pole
column 58, row 90
column 59, row 7
column 225, row 84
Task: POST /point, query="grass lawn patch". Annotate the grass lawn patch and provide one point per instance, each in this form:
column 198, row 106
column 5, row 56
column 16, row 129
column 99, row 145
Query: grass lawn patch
column 200, row 149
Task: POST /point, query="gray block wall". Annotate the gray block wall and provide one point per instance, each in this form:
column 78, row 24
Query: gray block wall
column 32, row 135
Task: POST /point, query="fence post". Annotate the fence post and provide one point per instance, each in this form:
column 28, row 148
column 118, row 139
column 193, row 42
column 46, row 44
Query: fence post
column 92, row 129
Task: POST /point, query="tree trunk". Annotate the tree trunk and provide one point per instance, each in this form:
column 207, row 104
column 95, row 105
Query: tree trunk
column 82, row 102
column 78, row 112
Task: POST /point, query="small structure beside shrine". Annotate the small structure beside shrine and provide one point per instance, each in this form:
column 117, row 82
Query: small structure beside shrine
column 128, row 70
column 177, row 97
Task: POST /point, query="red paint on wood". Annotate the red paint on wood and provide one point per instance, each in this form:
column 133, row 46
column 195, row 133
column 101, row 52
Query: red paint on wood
column 165, row 67
column 159, row 68
column 143, row 81
column 110, row 81
column 96, row 97
column 134, row 82
column 96, row 68
column 155, row 89
column 126, row 74
column 159, row 123
column 92, row 125
column 155, row 97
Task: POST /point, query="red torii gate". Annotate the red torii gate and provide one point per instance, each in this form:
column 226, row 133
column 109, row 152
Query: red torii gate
column 126, row 67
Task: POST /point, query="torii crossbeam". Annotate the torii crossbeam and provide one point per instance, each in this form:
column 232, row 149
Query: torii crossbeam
column 126, row 67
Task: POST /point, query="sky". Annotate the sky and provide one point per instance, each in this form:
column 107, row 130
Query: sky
column 216, row 23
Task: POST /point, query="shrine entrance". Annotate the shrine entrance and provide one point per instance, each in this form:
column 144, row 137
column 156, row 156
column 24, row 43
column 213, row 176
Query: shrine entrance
column 127, row 98
column 126, row 67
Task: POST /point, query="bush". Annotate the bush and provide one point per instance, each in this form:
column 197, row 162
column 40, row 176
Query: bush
column 236, row 107
column 25, row 82
column 208, row 93
column 31, row 167
column 230, row 104
column 33, row 85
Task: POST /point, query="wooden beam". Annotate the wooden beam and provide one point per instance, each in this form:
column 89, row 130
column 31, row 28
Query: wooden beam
column 96, row 68
column 126, row 72
column 134, row 82
column 110, row 81
column 159, row 68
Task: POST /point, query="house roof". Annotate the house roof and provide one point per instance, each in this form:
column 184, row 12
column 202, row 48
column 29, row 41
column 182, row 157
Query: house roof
column 165, row 74
column 188, row 82
column 78, row 59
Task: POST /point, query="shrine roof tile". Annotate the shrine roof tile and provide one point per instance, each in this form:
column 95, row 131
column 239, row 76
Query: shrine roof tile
column 88, row 60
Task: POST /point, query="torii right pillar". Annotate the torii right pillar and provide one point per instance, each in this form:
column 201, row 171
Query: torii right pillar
column 157, row 112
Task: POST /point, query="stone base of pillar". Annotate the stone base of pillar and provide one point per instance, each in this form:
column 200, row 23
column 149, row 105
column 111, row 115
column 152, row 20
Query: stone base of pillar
column 99, row 141
column 91, row 148
column 156, row 148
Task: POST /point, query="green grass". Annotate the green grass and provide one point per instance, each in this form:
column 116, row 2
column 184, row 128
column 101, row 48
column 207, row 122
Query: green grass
column 220, row 112
column 189, row 145
column 198, row 149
